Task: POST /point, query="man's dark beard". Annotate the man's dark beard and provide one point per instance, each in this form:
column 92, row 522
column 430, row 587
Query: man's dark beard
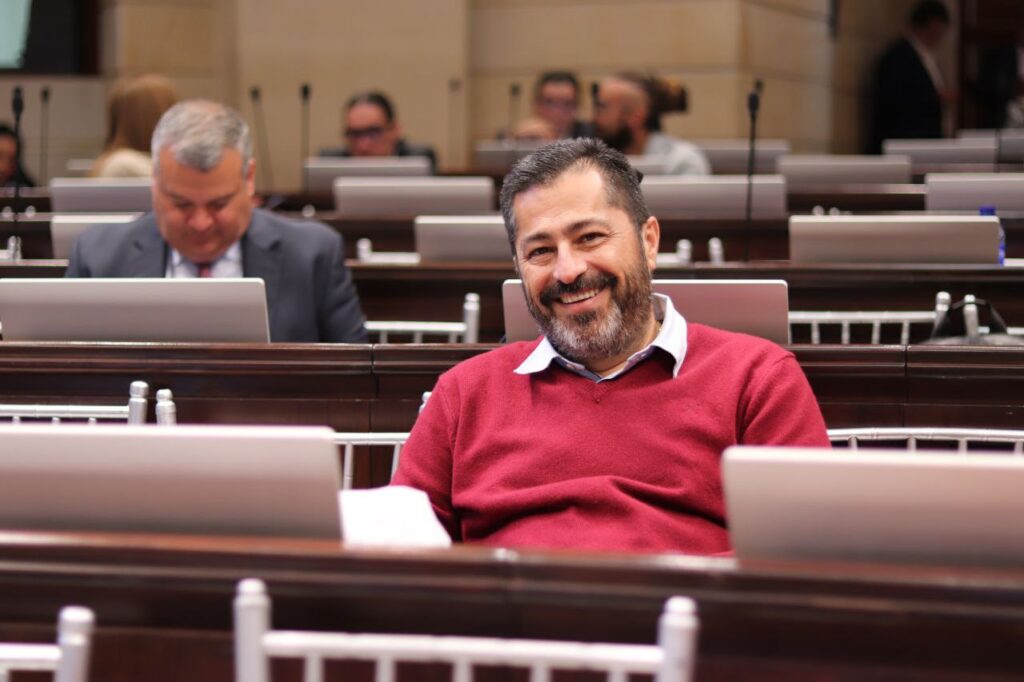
column 586, row 337
column 620, row 140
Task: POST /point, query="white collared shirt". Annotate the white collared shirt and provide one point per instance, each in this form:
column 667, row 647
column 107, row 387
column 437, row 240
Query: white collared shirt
column 228, row 265
column 671, row 338
column 930, row 63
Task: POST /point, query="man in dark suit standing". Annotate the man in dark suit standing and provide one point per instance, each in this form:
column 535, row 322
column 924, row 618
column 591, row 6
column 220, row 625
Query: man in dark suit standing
column 909, row 89
column 203, row 224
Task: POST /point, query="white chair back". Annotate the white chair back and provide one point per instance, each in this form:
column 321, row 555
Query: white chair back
column 670, row 660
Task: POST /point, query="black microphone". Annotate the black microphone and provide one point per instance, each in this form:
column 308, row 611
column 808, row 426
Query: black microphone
column 454, row 86
column 17, row 106
column 513, row 106
column 44, row 133
column 261, row 134
column 753, row 106
column 304, row 93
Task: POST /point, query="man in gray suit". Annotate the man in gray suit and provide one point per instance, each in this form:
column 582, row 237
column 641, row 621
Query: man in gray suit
column 203, row 224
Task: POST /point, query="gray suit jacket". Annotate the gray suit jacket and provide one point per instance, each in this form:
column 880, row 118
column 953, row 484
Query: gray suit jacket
column 310, row 294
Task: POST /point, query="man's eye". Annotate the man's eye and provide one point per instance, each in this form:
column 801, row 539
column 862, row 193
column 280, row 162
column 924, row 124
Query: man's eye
column 218, row 206
column 590, row 236
column 182, row 206
column 539, row 251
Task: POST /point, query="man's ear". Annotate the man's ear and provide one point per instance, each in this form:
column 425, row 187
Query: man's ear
column 250, row 178
column 650, row 237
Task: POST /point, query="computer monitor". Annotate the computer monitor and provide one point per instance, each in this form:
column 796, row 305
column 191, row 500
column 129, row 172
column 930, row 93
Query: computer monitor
column 894, row 239
column 757, row 307
column 462, row 238
column 728, row 157
column 101, row 195
column 401, row 197
column 970, row 191
column 787, row 503
column 65, row 227
column 200, row 310
column 498, row 156
column 835, row 169
column 717, row 197
column 925, row 152
column 321, row 171
column 208, row 480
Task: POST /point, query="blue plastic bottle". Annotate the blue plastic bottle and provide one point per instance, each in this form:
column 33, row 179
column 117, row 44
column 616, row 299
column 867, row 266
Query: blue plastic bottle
column 991, row 210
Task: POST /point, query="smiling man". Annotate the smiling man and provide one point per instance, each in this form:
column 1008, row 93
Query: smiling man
column 203, row 224
column 606, row 432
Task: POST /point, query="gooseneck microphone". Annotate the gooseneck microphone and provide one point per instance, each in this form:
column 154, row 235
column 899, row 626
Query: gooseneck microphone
column 513, row 106
column 454, row 143
column 304, row 93
column 261, row 135
column 753, row 106
column 17, row 107
column 44, row 134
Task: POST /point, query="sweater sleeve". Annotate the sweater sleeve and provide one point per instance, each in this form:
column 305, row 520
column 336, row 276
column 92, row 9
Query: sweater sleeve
column 779, row 407
column 426, row 460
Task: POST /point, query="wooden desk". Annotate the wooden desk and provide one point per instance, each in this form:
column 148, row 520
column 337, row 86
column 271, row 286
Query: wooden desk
column 379, row 388
column 163, row 605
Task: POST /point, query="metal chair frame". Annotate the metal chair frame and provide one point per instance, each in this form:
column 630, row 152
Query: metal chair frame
column 133, row 413
column 671, row 660
column 68, row 659
column 913, row 435
column 468, row 329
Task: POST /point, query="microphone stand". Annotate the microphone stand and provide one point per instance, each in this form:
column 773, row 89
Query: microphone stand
column 513, row 108
column 44, row 135
column 753, row 105
column 257, row 106
column 17, row 107
column 304, row 93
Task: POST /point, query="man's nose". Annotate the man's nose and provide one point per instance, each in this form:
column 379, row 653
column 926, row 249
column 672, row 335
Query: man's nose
column 200, row 220
column 570, row 265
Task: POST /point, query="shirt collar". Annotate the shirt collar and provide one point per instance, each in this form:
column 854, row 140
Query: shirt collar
column 671, row 338
column 232, row 255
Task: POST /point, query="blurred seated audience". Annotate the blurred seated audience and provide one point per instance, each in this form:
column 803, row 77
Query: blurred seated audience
column 11, row 170
column 372, row 129
column 534, row 129
column 556, row 100
column 627, row 116
column 133, row 109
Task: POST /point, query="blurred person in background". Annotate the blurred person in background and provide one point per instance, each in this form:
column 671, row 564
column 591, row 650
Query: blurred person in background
column 133, row 109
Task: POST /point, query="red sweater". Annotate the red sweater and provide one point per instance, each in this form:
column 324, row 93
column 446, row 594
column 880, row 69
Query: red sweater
column 556, row 460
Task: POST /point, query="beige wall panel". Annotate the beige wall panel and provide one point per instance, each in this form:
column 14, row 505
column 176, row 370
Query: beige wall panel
column 169, row 38
column 778, row 43
column 716, row 107
column 849, row 113
column 813, row 8
column 407, row 48
column 800, row 112
column 609, row 36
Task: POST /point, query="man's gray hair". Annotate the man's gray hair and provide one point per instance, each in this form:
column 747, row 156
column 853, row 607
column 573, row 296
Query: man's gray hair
column 197, row 131
column 544, row 166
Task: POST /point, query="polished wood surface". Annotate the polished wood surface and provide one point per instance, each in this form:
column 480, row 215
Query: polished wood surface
column 163, row 604
column 380, row 387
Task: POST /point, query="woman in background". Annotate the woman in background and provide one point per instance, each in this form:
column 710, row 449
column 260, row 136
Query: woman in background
column 133, row 109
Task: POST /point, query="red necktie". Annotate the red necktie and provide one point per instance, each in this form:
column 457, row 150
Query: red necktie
column 204, row 270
